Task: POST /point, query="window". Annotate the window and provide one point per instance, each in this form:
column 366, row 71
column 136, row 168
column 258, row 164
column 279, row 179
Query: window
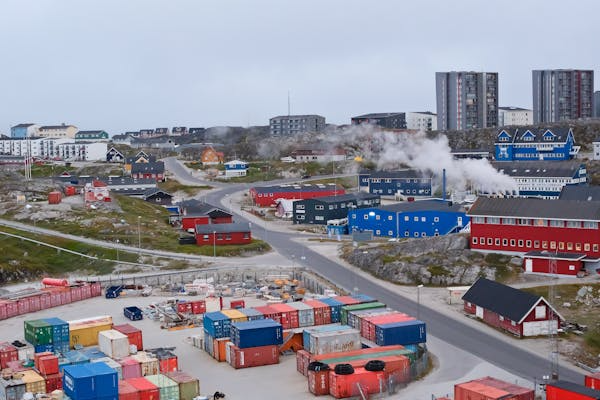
column 423, row 234
column 501, row 318
column 540, row 312
column 561, row 245
column 544, row 244
column 406, row 234
column 390, row 218
column 569, row 246
column 577, row 246
column 553, row 245
column 595, row 247
column 520, row 242
column 416, row 234
column 504, row 242
column 246, row 235
column 497, row 241
column 513, row 323
column 523, row 221
column 377, row 217
column 319, row 218
column 220, row 236
column 512, row 242
column 490, row 241
column 508, row 221
column 353, row 216
column 390, row 233
column 479, row 220
column 528, row 243
column 573, row 224
column 556, row 223
column 536, row 244
column 406, row 218
column 300, row 207
column 590, row 225
column 319, row 207
column 343, row 205
column 493, row 220
column 331, row 206
column 423, row 219
column 482, row 240
column 436, row 219
column 540, row 222
column 586, row 247
column 205, row 237
column 228, row 236
column 416, row 219
column 474, row 240
column 299, row 216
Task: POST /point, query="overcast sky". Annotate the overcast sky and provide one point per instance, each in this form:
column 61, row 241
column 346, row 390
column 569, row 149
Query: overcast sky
column 129, row 64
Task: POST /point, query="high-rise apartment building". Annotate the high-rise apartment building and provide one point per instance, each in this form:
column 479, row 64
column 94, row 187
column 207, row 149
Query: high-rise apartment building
column 562, row 94
column 466, row 100
column 286, row 125
column 597, row 104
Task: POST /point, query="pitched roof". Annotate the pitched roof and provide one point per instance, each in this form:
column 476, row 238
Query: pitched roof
column 580, row 192
column 422, row 205
column 536, row 208
column 153, row 191
column 23, row 125
column 197, row 208
column 577, row 388
column 516, row 134
column 344, row 197
column 380, row 115
column 156, row 167
column 562, row 169
column 223, row 228
column 297, row 188
column 504, row 300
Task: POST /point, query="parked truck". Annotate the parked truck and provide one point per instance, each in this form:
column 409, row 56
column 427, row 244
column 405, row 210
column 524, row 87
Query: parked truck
column 133, row 313
column 113, row 292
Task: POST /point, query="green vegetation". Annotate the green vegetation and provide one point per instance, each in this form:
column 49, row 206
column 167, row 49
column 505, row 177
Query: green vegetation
column 437, row 270
column 233, row 250
column 48, row 170
column 387, row 259
column 172, row 186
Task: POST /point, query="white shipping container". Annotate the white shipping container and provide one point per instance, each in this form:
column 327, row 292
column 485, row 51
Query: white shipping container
column 111, row 363
column 334, row 341
column 148, row 364
column 113, row 343
column 306, row 314
column 26, row 352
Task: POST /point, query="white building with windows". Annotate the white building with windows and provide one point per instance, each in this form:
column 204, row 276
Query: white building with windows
column 596, row 144
column 422, row 121
column 64, row 149
column 514, row 116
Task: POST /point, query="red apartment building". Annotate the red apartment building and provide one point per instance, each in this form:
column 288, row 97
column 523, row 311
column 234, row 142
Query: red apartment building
column 266, row 196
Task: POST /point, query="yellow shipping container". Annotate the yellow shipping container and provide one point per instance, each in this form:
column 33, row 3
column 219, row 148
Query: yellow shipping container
column 148, row 363
column 34, row 383
column 235, row 315
column 84, row 332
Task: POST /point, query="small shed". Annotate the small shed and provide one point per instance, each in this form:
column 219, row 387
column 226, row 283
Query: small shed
column 541, row 261
column 510, row 309
column 157, row 196
column 223, row 234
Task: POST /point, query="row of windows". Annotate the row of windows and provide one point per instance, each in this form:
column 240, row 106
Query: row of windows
column 401, row 191
column 536, row 244
column 391, row 218
column 541, row 222
column 404, row 180
column 220, row 236
column 407, row 233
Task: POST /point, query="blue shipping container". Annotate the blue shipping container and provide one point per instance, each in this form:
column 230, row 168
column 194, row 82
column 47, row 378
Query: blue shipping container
column 336, row 308
column 251, row 313
column 60, row 330
column 217, row 324
column 363, row 298
column 78, row 382
column 61, row 348
column 93, row 352
column 402, row 333
column 106, row 379
column 262, row 332
column 40, row 348
column 76, row 357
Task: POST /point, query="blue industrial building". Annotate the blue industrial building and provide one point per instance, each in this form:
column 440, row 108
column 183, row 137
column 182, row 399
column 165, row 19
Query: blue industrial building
column 530, row 144
column 389, row 183
column 410, row 219
column 23, row 130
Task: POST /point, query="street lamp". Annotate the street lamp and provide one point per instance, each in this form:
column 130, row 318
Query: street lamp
column 117, row 251
column 139, row 233
column 419, row 301
column 214, row 244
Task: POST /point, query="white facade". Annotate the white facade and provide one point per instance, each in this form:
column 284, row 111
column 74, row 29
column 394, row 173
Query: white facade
column 235, row 168
column 18, row 147
column 514, row 116
column 596, row 155
column 422, row 121
column 320, row 158
column 82, row 151
column 64, row 149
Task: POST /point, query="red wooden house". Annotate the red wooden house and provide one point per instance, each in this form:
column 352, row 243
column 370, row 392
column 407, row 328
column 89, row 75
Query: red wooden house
column 564, row 263
column 148, row 170
column 267, row 196
column 194, row 212
column 518, row 226
column 223, row 234
column 511, row 310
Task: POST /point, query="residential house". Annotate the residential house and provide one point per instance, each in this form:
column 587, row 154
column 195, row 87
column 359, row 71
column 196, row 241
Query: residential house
column 421, row 121
column 24, row 130
column 58, row 131
column 210, row 156
column 129, row 186
column 236, row 168
column 179, row 131
column 267, row 196
column 114, row 155
column 223, row 234
column 528, row 144
column 161, row 132
column 284, row 208
column 543, row 179
column 126, row 138
column 70, row 151
column 194, row 212
column 319, row 155
column 197, row 131
column 389, row 183
column 511, row 310
column 319, row 210
column 562, row 94
column 151, row 170
column 157, row 196
column 91, row 136
column 517, row 226
column 412, row 219
column 555, row 263
column 144, row 133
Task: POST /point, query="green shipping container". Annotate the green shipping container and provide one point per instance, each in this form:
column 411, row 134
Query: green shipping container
column 357, row 307
column 167, row 388
column 38, row 332
column 372, row 356
column 189, row 387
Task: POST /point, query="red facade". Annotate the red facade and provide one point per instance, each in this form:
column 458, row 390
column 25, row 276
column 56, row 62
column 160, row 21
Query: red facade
column 542, row 265
column 221, row 239
column 191, row 222
column 268, row 199
column 524, row 238
column 148, row 175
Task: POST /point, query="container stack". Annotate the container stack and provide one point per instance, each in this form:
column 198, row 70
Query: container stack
column 47, row 365
column 60, row 334
column 148, row 363
column 134, row 335
column 84, row 332
column 192, row 307
column 39, row 333
column 350, row 309
column 90, row 381
column 8, row 353
column 167, row 360
column 189, row 387
column 217, row 328
column 254, row 343
column 113, row 343
column 168, row 389
column 492, row 388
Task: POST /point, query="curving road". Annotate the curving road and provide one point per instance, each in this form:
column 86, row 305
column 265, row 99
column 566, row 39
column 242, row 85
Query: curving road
column 452, row 331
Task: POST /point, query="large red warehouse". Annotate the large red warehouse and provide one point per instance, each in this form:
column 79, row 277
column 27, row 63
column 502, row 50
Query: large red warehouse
column 509, row 309
column 266, row 196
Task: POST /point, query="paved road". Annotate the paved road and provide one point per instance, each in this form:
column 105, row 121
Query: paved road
column 449, row 330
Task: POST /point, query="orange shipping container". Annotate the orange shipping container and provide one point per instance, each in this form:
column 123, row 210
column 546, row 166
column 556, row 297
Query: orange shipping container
column 219, row 349
column 54, row 197
column 342, row 386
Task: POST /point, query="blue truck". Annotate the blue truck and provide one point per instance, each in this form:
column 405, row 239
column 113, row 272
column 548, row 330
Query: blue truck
column 113, row 292
column 133, row 313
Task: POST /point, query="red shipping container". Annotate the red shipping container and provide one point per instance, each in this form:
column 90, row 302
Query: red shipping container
column 302, row 361
column 184, row 307
column 45, row 300
column 53, row 382
column 593, row 381
column 342, row 386
column 480, row 391
column 270, row 313
column 48, row 365
column 146, row 389
column 65, row 297
column 347, row 300
column 198, row 306
column 86, row 292
column 70, row 191
column 253, row 356
column 131, row 368
column 23, row 305
column 37, row 356
column 133, row 334
column 34, row 304
column 318, row 382
column 127, row 391
column 54, row 197
column 322, row 311
column 368, row 326
column 233, row 304
column 8, row 353
column 96, row 289
column 397, row 366
column 75, row 293
column 17, row 366
column 3, row 310
column 289, row 315
column 519, row 392
column 12, row 309
column 168, row 364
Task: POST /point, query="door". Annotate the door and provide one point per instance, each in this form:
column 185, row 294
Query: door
column 479, row 312
column 459, row 221
column 528, row 265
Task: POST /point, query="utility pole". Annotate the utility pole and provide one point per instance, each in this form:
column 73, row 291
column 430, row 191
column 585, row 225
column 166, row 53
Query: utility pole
column 552, row 331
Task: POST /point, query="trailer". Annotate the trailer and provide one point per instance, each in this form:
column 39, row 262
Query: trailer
column 133, row 313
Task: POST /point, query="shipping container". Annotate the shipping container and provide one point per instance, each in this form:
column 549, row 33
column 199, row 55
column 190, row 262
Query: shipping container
column 3, row 310
column 593, row 381
column 302, row 361
column 133, row 313
column 134, row 335
column 105, row 379
column 322, row 311
column 8, row 353
column 342, row 386
column 318, row 382
column 84, row 332
column 96, row 289
column 518, row 392
column 237, row 304
column 369, row 324
column 168, row 363
column 76, row 293
column 198, row 306
column 48, row 365
column 38, row 332
column 334, row 341
column 219, row 345
column 111, row 363
column 406, row 332
column 148, row 363
column 217, row 324
column 127, row 391
column 76, row 357
column 363, row 298
column 60, row 330
column 167, row 388
column 256, row 333
column 357, row 307
column 323, row 328
column 289, row 315
column 189, row 387
column 12, row 389
column 146, row 389
column 42, row 348
column 251, row 314
column 34, row 303
column 53, row 382
column 235, row 315
column 335, row 306
column 184, row 307
column 54, row 197
column 355, row 318
column 372, row 353
column 306, row 314
column 347, row 300
column 44, row 301
column 16, row 366
column 269, row 312
column 131, row 368
column 93, row 352
column 113, row 343
column 78, row 382
column 37, row 356
column 25, row 352
column 70, row 191
column 34, row 382
column 209, row 344
column 253, row 356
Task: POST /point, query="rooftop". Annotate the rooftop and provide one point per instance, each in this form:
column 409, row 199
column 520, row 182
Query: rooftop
column 422, row 205
column 223, row 228
column 536, row 208
column 563, row 169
